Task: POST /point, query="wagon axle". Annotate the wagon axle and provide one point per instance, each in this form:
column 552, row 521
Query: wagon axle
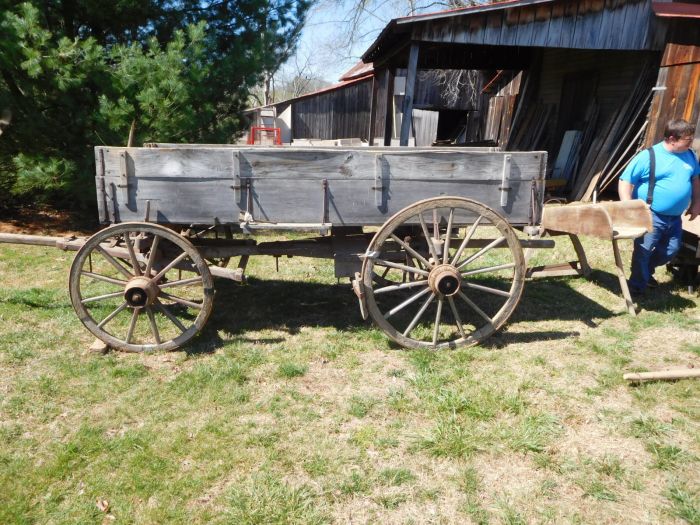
column 141, row 291
column 445, row 280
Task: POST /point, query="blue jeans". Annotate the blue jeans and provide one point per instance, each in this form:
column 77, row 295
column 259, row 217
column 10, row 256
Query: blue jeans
column 655, row 248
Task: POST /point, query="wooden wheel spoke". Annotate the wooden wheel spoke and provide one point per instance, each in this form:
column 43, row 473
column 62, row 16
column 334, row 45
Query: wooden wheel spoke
column 104, row 278
column 154, row 326
column 120, row 268
column 455, row 313
column 132, row 254
column 102, row 297
column 167, row 313
column 181, row 301
column 448, row 235
column 481, row 252
column 152, row 256
column 418, row 315
column 466, row 239
column 182, row 282
column 132, row 325
column 112, row 315
column 428, row 238
column 487, row 289
column 399, row 266
column 170, row 266
column 489, row 269
column 403, row 286
column 438, row 315
column 411, row 251
column 475, row 307
column 405, row 303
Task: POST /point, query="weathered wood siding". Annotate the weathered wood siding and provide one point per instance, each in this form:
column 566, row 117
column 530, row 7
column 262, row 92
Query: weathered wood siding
column 357, row 186
column 338, row 114
column 679, row 96
column 573, row 24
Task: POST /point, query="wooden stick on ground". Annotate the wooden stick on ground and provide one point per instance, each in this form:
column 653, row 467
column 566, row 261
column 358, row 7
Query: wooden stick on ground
column 678, row 373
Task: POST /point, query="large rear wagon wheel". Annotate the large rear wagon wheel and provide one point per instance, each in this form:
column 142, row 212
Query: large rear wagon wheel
column 451, row 282
column 141, row 287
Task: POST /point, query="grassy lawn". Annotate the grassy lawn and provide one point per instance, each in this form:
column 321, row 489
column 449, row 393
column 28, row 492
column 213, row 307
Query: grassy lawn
column 289, row 408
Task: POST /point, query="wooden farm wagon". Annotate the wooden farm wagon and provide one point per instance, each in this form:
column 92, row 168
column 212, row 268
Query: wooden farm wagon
column 432, row 239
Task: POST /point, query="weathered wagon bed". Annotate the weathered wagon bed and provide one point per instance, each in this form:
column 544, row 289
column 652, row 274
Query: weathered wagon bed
column 426, row 235
column 320, row 186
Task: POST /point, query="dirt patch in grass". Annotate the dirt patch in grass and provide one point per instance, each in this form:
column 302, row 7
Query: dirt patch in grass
column 47, row 221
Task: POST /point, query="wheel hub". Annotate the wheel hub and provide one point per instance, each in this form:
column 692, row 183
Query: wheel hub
column 445, row 280
column 140, row 291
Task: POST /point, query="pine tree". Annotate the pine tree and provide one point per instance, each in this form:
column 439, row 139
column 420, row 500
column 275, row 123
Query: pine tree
column 77, row 73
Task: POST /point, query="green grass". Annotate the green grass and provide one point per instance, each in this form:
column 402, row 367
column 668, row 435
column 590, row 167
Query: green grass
column 288, row 408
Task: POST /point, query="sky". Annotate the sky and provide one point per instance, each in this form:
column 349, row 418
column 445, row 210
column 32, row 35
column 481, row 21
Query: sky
column 323, row 49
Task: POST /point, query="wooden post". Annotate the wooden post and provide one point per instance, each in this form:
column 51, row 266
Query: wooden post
column 373, row 110
column 678, row 373
column 389, row 117
column 407, row 118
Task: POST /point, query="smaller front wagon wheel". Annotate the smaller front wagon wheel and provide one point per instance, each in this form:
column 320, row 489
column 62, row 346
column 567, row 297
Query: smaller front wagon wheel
column 141, row 287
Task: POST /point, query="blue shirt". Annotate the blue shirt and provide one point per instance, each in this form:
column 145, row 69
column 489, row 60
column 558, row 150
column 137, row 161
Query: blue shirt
column 674, row 172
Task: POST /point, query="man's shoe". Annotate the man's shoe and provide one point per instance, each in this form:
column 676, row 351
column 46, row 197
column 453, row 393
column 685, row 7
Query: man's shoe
column 653, row 283
column 636, row 293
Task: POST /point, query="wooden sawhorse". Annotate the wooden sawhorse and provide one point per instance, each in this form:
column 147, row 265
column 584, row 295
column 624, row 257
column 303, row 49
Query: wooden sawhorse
column 613, row 221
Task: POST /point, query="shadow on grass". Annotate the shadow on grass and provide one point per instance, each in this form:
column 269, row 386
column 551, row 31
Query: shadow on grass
column 288, row 306
column 661, row 299
column 282, row 306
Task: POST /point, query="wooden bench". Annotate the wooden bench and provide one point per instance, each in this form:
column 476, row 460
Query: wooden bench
column 613, row 221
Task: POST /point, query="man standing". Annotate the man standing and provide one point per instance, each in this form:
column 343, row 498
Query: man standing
column 667, row 177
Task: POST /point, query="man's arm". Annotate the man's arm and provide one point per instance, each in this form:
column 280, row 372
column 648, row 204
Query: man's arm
column 625, row 189
column 694, row 209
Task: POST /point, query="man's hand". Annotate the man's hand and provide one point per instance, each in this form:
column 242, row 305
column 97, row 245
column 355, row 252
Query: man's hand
column 694, row 209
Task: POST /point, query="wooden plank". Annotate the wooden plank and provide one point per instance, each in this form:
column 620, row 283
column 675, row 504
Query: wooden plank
column 555, row 25
column 509, row 29
column 568, row 26
column 666, row 375
column 406, row 120
column 525, row 26
column 632, row 28
column 494, row 23
column 677, row 54
column 606, row 23
column 540, row 29
column 591, row 33
column 655, row 128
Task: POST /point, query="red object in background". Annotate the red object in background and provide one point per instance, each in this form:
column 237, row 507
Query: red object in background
column 254, row 129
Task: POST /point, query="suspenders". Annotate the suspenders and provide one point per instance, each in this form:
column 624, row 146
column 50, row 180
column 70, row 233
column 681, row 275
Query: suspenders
column 652, row 175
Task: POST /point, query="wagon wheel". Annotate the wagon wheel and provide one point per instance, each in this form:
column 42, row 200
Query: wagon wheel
column 141, row 287
column 465, row 280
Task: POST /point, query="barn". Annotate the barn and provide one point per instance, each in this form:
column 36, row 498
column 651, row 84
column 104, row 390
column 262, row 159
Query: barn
column 589, row 81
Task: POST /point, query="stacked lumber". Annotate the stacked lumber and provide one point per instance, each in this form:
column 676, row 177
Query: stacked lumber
column 618, row 140
column 597, row 153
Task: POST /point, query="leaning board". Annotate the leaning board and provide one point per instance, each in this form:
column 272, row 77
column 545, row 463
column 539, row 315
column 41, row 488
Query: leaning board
column 337, row 186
